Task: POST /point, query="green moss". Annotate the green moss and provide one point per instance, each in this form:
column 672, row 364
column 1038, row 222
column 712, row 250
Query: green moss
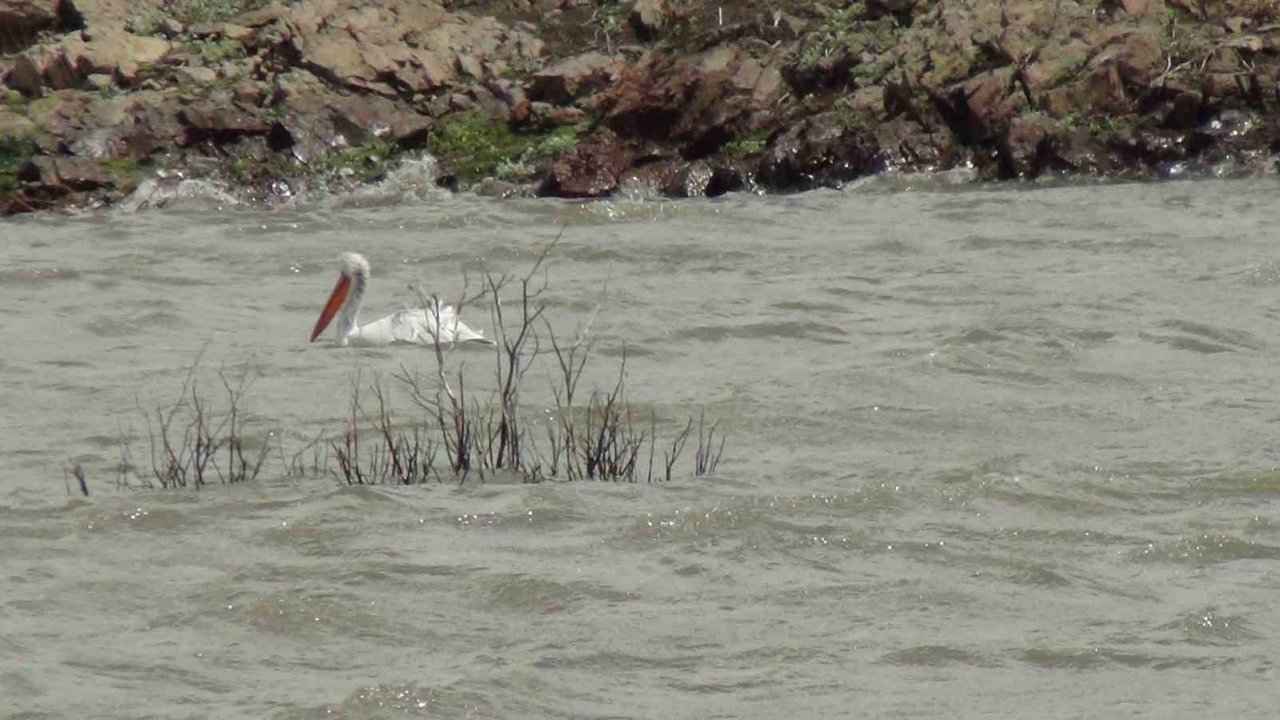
column 365, row 163
column 125, row 172
column 14, row 153
column 846, row 31
column 831, row 35
column 1109, row 129
column 474, row 146
column 554, row 144
column 753, row 144
column 608, row 19
column 190, row 12
column 851, row 121
column 216, row 51
column 13, row 100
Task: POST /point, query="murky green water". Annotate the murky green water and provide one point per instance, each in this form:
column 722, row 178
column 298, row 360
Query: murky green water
column 999, row 452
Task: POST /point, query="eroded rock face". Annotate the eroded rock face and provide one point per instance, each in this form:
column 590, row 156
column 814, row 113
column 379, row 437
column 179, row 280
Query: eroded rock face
column 65, row 174
column 696, row 102
column 650, row 96
column 317, row 119
column 402, row 47
column 593, row 169
column 70, row 62
column 23, row 20
column 573, row 78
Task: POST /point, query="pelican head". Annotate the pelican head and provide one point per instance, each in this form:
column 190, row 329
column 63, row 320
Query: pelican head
column 354, row 265
column 345, row 297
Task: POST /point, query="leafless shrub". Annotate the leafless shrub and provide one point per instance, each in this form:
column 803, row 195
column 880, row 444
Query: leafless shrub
column 297, row 463
column 73, row 469
column 188, row 437
column 708, row 455
column 595, row 441
column 396, row 456
column 669, row 457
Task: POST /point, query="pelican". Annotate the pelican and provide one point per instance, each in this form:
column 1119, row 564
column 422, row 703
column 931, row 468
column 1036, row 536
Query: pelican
column 434, row 324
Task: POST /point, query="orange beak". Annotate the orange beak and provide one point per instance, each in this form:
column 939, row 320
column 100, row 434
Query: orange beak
column 336, row 300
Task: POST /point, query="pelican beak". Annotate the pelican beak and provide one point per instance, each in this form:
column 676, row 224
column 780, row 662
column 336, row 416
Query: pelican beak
column 336, row 301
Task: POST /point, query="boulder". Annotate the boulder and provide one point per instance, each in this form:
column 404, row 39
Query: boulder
column 819, row 150
column 648, row 18
column 65, row 174
column 221, row 118
column 573, row 77
column 698, row 102
column 401, row 46
column 317, row 119
column 13, row 125
column 1026, row 149
column 592, row 169
column 22, row 21
column 982, row 106
column 69, row 63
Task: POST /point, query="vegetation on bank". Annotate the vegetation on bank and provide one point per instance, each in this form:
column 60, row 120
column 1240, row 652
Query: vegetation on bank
column 15, row 153
column 783, row 94
column 475, row 146
column 191, row 12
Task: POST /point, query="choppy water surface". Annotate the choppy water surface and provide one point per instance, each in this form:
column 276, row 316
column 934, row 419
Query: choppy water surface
column 993, row 452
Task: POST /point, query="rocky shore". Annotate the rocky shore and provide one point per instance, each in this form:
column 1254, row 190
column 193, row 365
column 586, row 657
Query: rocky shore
column 584, row 98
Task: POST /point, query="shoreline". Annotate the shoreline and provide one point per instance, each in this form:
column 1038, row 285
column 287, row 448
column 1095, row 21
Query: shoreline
column 582, row 99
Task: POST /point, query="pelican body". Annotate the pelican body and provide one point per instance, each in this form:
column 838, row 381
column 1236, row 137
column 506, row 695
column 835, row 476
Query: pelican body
column 432, row 325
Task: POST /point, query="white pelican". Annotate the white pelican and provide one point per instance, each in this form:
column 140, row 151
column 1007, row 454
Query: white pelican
column 421, row 326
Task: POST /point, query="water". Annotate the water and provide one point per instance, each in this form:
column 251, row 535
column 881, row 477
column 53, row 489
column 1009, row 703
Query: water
column 994, row 451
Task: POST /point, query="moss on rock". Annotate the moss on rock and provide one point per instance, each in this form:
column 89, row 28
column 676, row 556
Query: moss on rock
column 474, row 146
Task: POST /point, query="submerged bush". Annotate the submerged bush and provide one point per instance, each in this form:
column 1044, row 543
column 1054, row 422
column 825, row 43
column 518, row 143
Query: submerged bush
column 455, row 434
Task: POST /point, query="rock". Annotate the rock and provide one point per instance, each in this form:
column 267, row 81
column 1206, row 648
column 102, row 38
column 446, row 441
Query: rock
column 194, row 75
column 697, row 102
column 560, row 115
column 317, row 120
column 222, row 30
column 880, row 8
column 1141, row 57
column 572, row 78
column 819, row 150
column 248, row 93
column 99, row 81
column 65, row 174
column 652, row 179
column 983, row 106
column 1221, row 85
column 221, row 119
column 25, row 75
column 1025, row 150
column 23, row 21
column 13, row 125
column 89, row 125
column 1191, row 7
column 402, row 45
column 905, row 144
column 1143, row 8
column 647, row 18
column 263, row 16
column 592, row 169
column 1056, row 64
column 69, row 63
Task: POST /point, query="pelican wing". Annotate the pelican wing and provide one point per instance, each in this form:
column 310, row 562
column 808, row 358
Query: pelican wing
column 418, row 327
